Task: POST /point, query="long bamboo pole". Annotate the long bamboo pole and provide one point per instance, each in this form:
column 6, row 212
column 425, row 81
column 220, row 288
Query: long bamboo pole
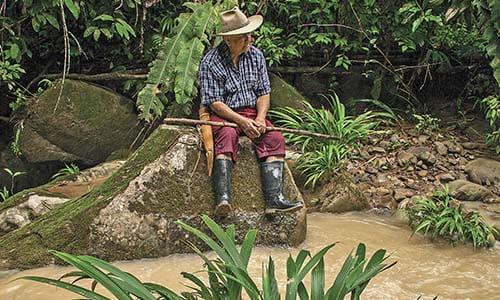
column 229, row 124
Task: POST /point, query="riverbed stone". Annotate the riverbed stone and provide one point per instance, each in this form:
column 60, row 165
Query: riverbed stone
column 341, row 195
column 86, row 124
column 132, row 214
column 401, row 194
column 482, row 170
column 405, row 158
column 468, row 191
column 441, row 148
column 454, row 147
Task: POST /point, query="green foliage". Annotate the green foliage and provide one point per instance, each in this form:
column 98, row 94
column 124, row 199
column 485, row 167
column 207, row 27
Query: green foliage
column 426, row 123
column 441, row 216
column 491, row 107
column 13, row 176
column 324, row 157
column 68, row 170
column 227, row 274
column 4, row 194
column 177, row 62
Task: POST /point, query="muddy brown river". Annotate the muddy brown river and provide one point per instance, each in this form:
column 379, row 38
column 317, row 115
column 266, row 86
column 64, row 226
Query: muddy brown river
column 424, row 269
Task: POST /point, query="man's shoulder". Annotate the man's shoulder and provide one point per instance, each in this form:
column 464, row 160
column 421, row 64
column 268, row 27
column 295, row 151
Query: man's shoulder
column 210, row 56
column 256, row 51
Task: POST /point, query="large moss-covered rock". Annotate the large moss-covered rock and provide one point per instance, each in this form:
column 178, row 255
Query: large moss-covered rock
column 132, row 214
column 86, row 124
column 283, row 94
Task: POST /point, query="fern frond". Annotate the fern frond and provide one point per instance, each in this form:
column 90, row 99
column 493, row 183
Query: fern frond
column 186, row 67
column 177, row 62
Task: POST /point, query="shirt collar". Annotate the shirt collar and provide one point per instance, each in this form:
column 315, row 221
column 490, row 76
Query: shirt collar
column 226, row 53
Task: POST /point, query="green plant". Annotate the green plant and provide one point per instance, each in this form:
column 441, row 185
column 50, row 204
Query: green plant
column 491, row 107
column 13, row 176
column 426, row 123
column 4, row 193
column 441, row 216
column 14, row 144
column 323, row 162
column 71, row 170
column 323, row 157
column 177, row 62
column 227, row 274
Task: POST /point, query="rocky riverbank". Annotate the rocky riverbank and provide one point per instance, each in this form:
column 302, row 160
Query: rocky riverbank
column 395, row 168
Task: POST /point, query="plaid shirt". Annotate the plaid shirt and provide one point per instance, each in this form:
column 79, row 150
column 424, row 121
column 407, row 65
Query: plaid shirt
column 237, row 88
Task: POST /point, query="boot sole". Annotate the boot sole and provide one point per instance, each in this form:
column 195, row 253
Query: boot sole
column 269, row 211
column 223, row 210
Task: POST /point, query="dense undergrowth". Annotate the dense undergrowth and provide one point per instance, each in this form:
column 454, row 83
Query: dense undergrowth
column 442, row 216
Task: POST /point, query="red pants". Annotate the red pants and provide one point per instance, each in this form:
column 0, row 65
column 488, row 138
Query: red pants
column 226, row 138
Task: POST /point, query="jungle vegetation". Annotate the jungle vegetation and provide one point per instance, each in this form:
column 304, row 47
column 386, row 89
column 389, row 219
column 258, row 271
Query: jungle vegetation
column 403, row 41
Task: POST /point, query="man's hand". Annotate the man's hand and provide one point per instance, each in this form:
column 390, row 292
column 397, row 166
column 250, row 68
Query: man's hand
column 250, row 127
column 260, row 123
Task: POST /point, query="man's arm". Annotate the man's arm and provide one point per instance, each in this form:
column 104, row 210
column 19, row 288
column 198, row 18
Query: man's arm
column 263, row 103
column 248, row 126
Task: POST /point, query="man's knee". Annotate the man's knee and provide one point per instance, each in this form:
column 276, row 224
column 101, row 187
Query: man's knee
column 274, row 138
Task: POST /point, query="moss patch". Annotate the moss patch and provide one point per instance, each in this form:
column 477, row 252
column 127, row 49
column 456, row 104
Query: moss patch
column 283, row 94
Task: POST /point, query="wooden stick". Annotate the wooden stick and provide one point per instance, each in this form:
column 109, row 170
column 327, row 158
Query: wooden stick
column 229, row 124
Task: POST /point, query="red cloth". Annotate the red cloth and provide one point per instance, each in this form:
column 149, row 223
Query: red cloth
column 226, row 138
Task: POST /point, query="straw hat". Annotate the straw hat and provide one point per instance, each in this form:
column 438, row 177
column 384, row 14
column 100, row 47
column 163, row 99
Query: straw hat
column 235, row 22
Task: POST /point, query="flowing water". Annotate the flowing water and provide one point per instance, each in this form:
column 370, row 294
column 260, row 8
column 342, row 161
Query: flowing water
column 423, row 268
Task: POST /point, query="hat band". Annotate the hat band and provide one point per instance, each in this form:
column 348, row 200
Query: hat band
column 237, row 26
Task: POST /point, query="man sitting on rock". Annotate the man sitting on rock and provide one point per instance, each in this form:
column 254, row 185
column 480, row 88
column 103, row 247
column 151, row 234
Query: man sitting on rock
column 235, row 86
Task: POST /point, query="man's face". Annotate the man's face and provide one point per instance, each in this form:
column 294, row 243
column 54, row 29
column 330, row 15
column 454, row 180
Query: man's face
column 240, row 43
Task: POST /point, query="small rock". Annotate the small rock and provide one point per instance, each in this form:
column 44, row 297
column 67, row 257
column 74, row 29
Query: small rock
column 454, row 148
column 445, row 177
column 381, row 191
column 384, row 144
column 381, row 178
column 378, row 150
column 441, row 148
column 469, row 145
column 422, row 173
column 365, row 155
column 380, row 162
column 422, row 139
column 401, row 194
column 404, row 158
column 427, row 157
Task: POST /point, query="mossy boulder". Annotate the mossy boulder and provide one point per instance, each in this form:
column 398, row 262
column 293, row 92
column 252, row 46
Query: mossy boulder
column 283, row 94
column 131, row 214
column 340, row 195
column 87, row 123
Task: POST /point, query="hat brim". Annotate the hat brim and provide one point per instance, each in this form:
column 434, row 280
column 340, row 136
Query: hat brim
column 254, row 22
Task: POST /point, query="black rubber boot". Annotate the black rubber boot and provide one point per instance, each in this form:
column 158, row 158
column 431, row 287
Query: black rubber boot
column 222, row 186
column 272, row 187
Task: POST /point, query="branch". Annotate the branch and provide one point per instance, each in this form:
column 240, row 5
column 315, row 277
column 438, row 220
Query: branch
column 100, row 77
column 229, row 124
column 5, row 119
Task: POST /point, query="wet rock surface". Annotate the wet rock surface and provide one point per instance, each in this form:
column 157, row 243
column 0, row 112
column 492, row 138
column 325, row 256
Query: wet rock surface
column 27, row 206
